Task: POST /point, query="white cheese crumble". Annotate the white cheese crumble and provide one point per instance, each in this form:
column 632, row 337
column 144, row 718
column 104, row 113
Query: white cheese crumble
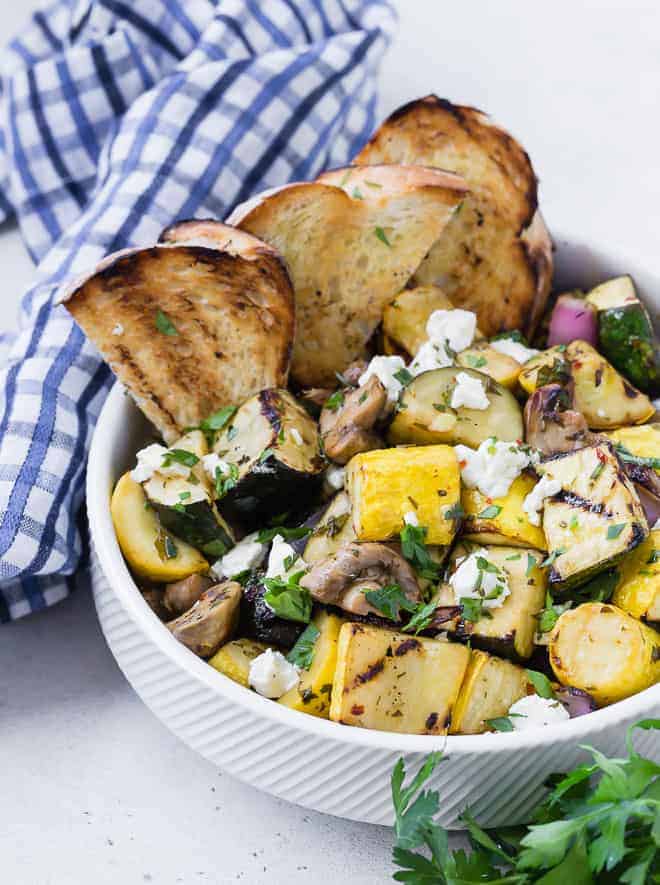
column 533, row 711
column 533, row 503
column 455, row 327
column 283, row 559
column 211, row 462
column 410, row 518
column 430, row 356
column 271, row 675
column 335, row 477
column 384, row 368
column 514, row 349
column 492, row 467
column 150, row 461
column 246, row 555
column 118, row 329
column 469, row 392
column 473, row 580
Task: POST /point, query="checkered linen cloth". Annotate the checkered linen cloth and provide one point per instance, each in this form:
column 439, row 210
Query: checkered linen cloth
column 116, row 119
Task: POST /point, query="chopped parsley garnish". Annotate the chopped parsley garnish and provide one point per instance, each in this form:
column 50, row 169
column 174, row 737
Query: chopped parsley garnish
column 454, row 512
column 598, row 469
column 334, row 401
column 654, row 557
column 265, row 455
column 504, row 723
column 514, row 556
column 513, row 335
column 613, row 531
column 164, row 324
column 216, row 422
column 288, row 599
column 372, row 184
column 224, row 482
column 390, row 601
column 180, row 456
column 476, row 361
column 549, row 560
column 422, row 618
column 165, row 546
column 403, row 376
column 548, row 617
column 626, row 455
column 473, row 609
column 574, row 524
column 413, row 547
column 382, row 236
column 531, row 564
column 557, row 373
column 541, row 684
column 265, row 536
column 357, row 195
column 302, row 653
column 490, row 512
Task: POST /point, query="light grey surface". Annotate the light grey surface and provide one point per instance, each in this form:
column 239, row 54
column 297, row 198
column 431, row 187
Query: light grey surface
column 92, row 788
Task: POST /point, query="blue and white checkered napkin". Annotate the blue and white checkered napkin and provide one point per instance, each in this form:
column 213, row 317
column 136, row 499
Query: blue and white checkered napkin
column 117, row 118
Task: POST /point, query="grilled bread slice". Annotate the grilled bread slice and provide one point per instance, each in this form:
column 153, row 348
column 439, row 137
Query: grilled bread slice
column 495, row 256
column 351, row 241
column 202, row 320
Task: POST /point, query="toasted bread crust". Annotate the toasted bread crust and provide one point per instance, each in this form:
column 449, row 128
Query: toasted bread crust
column 495, row 257
column 351, row 241
column 233, row 318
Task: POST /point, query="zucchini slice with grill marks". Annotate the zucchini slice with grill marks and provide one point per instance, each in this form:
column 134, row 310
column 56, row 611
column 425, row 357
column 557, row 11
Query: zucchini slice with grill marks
column 405, row 318
column 273, row 445
column 625, row 332
column 334, row 529
column 424, row 415
column 185, row 505
column 490, row 687
column 501, row 520
column 594, row 520
column 498, row 366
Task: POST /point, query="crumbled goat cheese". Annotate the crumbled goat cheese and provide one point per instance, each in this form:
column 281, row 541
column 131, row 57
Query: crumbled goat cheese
column 469, row 392
column 296, row 436
column 410, row 518
column 118, row 329
column 150, row 461
column 493, row 466
column 283, row 559
column 384, row 368
column 430, row 356
column 533, row 711
column 246, row 555
column 455, row 327
column 211, row 462
column 533, row 503
column 514, row 349
column 335, row 477
column 271, row 675
column 472, row 582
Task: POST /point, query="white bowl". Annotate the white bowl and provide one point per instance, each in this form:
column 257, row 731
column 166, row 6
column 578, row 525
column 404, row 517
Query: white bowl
column 319, row 764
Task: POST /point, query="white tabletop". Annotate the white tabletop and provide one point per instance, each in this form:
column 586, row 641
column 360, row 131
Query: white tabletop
column 92, row 787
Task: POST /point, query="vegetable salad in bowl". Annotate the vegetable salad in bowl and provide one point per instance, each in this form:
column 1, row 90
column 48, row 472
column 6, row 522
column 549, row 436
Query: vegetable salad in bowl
column 396, row 483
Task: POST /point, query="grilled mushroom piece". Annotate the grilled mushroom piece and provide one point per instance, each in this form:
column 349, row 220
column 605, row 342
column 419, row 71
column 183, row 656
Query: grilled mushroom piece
column 210, row 622
column 348, row 429
column 343, row 578
column 179, row 596
column 551, row 425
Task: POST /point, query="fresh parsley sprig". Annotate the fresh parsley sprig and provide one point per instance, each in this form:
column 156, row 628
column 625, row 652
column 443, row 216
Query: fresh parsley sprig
column 413, row 548
column 288, row 599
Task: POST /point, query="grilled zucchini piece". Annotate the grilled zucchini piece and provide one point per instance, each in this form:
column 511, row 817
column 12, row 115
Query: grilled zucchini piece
column 508, row 630
column 604, row 651
column 405, row 318
column 551, row 366
column 185, row 506
column 490, row 687
column 273, row 444
column 149, row 550
column 501, row 520
column 333, row 529
column 638, row 590
column 424, row 416
column 386, row 484
column 642, row 442
column 312, row 694
column 625, row 332
column 234, row 659
column 498, row 366
column 396, row 682
column 594, row 520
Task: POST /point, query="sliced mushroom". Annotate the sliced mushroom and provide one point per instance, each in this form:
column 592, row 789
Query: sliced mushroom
column 153, row 596
column 341, row 579
column 181, row 595
column 211, row 620
column 551, row 425
column 352, row 374
column 349, row 429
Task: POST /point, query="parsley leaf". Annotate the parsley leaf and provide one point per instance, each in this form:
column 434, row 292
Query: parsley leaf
column 403, row 376
column 180, row 456
column 613, row 531
column 382, row 236
column 626, row 455
column 473, row 609
column 224, row 482
column 490, row 512
column 541, row 684
column 265, row 536
column 476, row 361
column 216, row 422
column 288, row 599
column 422, row 618
column 389, row 601
column 334, row 401
column 302, row 653
column 413, row 548
column 454, row 512
column 164, row 324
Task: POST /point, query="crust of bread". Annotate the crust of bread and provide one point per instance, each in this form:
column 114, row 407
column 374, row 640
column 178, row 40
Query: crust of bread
column 495, row 256
column 351, row 241
column 228, row 297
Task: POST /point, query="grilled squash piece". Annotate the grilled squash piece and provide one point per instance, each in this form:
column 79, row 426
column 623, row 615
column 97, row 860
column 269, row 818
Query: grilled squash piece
column 149, row 550
column 508, row 630
column 594, row 520
column 334, row 529
column 385, row 484
column 234, row 659
column 405, row 318
column 498, row 366
column 273, row 445
column 190, row 325
column 604, row 651
column 643, row 442
column 396, row 682
column 312, row 694
column 638, row 590
column 425, row 417
column 551, row 366
column 501, row 520
column 490, row 687
column 353, row 232
column 495, row 257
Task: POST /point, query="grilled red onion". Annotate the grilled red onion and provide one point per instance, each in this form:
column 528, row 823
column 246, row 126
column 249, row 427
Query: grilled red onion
column 572, row 318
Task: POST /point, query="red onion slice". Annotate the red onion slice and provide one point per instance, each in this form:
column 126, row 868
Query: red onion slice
column 572, row 319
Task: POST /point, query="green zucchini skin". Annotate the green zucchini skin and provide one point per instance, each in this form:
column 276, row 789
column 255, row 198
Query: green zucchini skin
column 200, row 525
column 626, row 339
